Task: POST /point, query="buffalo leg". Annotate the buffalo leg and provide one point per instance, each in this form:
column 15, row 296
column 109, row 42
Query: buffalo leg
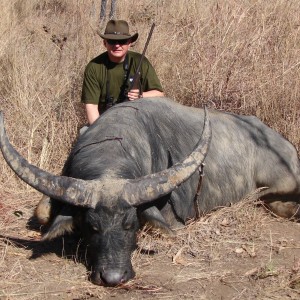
column 47, row 209
column 285, row 209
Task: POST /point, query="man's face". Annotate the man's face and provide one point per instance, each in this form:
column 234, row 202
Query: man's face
column 117, row 49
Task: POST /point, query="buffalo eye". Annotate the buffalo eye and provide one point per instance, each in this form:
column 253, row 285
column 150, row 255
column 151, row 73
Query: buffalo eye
column 129, row 222
column 128, row 225
column 95, row 228
column 93, row 223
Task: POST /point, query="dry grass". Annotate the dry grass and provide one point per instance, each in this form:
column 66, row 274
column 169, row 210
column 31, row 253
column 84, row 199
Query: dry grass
column 235, row 246
column 238, row 252
column 240, row 56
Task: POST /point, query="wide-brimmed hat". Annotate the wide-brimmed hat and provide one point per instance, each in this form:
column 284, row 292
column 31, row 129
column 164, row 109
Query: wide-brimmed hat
column 118, row 30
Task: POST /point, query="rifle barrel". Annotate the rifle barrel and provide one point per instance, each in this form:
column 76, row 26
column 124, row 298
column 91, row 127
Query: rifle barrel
column 137, row 73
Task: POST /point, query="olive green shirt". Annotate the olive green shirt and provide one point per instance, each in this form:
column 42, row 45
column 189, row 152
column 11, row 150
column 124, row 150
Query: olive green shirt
column 101, row 70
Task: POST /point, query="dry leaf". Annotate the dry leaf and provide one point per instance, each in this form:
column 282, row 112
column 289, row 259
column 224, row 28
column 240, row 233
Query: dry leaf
column 225, row 222
column 296, row 266
column 33, row 234
column 178, row 258
column 252, row 272
column 249, row 250
column 239, row 250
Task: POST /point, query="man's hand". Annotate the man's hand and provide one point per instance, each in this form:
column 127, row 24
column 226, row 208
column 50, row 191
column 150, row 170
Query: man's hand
column 134, row 94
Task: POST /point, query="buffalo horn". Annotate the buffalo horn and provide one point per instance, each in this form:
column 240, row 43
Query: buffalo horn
column 67, row 189
column 150, row 187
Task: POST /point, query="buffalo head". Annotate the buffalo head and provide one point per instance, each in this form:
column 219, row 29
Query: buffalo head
column 107, row 206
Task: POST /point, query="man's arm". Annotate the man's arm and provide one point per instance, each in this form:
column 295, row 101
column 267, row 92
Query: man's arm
column 135, row 94
column 92, row 112
column 153, row 93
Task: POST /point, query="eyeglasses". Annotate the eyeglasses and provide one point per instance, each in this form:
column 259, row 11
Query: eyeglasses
column 117, row 42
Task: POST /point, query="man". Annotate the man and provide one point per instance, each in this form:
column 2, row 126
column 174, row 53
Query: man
column 107, row 77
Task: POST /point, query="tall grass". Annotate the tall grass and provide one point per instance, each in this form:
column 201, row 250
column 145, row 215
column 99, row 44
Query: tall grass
column 241, row 56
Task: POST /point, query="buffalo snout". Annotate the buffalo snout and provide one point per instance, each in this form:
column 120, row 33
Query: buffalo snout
column 112, row 277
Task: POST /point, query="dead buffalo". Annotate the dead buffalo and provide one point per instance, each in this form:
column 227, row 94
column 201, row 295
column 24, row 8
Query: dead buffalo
column 139, row 162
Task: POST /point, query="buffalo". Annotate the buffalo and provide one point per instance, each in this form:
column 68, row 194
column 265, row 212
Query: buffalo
column 142, row 162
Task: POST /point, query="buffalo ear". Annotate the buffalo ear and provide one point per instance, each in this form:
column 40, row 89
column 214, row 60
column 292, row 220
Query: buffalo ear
column 61, row 225
column 154, row 218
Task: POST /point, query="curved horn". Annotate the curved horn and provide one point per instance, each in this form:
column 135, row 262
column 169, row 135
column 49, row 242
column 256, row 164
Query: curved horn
column 66, row 189
column 153, row 186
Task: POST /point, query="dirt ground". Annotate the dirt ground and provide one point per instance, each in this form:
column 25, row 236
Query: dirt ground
column 241, row 252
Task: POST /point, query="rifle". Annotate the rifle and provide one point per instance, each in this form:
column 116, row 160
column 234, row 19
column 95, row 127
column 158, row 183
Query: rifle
column 109, row 101
column 124, row 88
column 135, row 83
column 135, row 80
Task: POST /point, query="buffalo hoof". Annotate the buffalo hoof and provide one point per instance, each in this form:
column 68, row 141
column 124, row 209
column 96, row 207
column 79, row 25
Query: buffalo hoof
column 43, row 210
column 287, row 209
